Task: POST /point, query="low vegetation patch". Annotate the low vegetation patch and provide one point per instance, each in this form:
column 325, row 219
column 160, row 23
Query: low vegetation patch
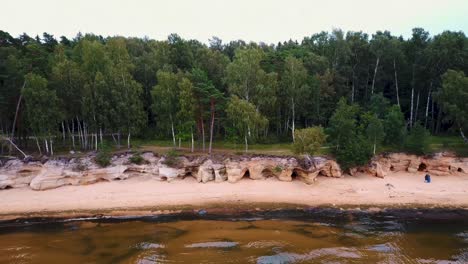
column 309, row 140
column 103, row 158
column 172, row 158
column 136, row 158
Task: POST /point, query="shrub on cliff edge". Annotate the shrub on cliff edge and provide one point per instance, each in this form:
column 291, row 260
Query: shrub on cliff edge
column 309, row 140
column 417, row 141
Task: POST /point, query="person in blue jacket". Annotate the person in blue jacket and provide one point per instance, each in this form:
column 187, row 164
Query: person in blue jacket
column 427, row 178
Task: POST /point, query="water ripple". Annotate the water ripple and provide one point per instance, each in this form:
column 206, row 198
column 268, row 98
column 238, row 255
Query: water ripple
column 285, row 258
column 220, row 244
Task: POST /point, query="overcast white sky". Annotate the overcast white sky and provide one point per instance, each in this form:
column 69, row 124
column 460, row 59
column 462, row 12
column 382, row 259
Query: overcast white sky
column 269, row 21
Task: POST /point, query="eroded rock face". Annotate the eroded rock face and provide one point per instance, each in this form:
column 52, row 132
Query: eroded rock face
column 82, row 171
column 210, row 171
column 285, row 169
column 16, row 174
column 439, row 165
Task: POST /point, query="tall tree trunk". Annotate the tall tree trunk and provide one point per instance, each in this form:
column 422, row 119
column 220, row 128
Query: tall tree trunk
column 352, row 87
column 46, row 146
column 173, row 132
column 396, row 83
column 16, row 114
column 427, row 107
column 128, row 140
column 293, row 120
column 416, row 110
column 192, row 143
column 375, row 74
column 100, row 135
column 203, row 134
column 51, row 146
column 85, row 135
column 463, row 135
column 246, row 143
column 432, row 117
column 63, row 132
column 80, row 135
column 375, row 146
column 411, row 110
column 212, row 108
column 38, row 146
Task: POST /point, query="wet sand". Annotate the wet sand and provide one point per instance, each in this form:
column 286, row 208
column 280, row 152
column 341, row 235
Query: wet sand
column 396, row 190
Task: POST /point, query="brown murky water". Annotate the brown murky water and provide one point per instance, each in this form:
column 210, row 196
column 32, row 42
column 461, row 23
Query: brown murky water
column 236, row 241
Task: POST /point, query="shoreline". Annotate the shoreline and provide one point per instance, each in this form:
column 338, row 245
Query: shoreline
column 137, row 197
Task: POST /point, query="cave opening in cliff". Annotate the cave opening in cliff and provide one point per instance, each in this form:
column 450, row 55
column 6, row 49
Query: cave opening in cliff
column 422, row 167
column 246, row 175
column 294, row 175
column 460, row 170
column 392, row 168
column 267, row 173
column 188, row 174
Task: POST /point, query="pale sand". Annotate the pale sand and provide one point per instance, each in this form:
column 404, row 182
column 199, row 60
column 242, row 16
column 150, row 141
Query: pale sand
column 363, row 190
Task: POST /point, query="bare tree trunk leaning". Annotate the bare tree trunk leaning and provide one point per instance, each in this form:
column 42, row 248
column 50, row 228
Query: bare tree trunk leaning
column 246, row 144
column 128, row 140
column 14, row 145
column 463, row 136
column 396, row 83
column 416, row 110
column 16, row 115
column 38, row 146
column 411, row 110
column 293, row 121
column 51, row 147
column 427, row 108
column 375, row 74
column 211, row 125
column 173, row 132
column 192, row 142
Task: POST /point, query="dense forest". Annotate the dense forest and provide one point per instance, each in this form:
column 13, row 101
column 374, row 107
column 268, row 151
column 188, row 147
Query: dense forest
column 362, row 89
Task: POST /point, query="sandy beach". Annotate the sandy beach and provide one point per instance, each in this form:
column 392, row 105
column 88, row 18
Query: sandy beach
column 396, row 190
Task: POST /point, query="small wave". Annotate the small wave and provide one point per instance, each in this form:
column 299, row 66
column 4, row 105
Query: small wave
column 220, row 244
column 147, row 245
column 284, row 258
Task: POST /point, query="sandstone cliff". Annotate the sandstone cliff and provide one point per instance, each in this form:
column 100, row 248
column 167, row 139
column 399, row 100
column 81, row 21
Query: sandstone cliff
column 51, row 174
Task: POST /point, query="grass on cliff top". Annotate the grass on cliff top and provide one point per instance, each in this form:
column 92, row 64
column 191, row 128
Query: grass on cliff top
column 449, row 143
column 220, row 147
column 437, row 144
column 452, row 143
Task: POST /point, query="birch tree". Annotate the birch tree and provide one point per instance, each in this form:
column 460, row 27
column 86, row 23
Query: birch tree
column 186, row 113
column 165, row 103
column 245, row 117
column 42, row 110
column 294, row 82
column 453, row 98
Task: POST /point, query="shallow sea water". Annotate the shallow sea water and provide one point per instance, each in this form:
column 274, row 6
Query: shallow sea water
column 361, row 239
